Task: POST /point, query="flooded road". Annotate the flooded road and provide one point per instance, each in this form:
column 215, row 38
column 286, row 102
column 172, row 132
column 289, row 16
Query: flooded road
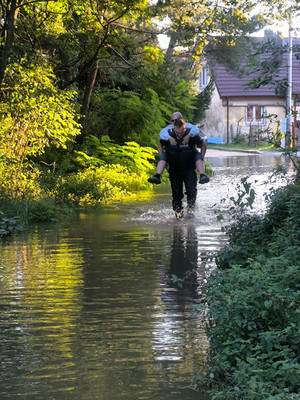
column 109, row 305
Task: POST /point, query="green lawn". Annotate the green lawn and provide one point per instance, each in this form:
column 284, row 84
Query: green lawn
column 260, row 146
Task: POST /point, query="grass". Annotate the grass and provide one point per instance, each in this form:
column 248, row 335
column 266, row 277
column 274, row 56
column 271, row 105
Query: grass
column 260, row 146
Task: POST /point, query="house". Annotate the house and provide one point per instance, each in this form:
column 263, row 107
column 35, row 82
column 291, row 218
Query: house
column 239, row 111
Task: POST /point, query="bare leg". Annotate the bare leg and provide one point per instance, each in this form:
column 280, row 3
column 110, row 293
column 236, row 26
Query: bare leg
column 160, row 166
column 201, row 169
column 199, row 166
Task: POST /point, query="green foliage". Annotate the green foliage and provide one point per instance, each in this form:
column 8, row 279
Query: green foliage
column 126, row 116
column 59, row 194
column 183, row 98
column 34, row 115
column 108, row 173
column 239, row 235
column 47, row 209
column 136, row 158
column 138, row 117
column 18, row 181
column 284, row 208
column 8, row 226
column 253, row 300
column 17, row 213
column 103, row 185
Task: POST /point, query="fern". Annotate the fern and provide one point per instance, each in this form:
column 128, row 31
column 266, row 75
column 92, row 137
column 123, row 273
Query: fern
column 131, row 155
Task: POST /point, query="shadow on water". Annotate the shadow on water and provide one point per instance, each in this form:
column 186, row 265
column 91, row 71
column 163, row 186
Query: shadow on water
column 107, row 306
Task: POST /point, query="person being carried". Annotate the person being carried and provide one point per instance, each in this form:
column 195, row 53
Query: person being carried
column 165, row 134
column 181, row 160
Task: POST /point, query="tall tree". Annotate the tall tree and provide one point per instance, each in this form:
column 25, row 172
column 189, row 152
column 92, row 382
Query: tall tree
column 9, row 13
column 191, row 22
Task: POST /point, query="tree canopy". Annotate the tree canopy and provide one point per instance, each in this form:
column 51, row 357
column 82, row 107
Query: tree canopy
column 70, row 70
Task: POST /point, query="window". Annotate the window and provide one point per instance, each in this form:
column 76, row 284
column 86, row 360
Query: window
column 203, row 78
column 255, row 115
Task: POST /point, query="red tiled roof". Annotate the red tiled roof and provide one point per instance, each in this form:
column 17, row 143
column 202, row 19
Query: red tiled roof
column 230, row 85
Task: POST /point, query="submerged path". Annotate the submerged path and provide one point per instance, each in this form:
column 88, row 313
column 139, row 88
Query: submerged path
column 109, row 305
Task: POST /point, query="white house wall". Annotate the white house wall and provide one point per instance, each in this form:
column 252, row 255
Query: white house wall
column 215, row 124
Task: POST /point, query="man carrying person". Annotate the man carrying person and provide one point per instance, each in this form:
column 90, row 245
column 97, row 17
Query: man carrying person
column 165, row 134
column 181, row 160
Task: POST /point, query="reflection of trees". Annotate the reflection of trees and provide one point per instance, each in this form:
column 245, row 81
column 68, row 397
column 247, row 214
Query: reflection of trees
column 41, row 289
column 85, row 311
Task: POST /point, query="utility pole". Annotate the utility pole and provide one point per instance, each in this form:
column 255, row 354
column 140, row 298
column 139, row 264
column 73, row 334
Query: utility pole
column 289, row 88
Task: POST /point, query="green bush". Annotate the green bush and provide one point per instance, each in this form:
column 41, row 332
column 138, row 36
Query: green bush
column 109, row 173
column 131, row 155
column 92, row 186
column 253, row 301
column 126, row 116
column 8, row 226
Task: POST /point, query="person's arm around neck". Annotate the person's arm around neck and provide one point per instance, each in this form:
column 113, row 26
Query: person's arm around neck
column 164, row 133
column 194, row 129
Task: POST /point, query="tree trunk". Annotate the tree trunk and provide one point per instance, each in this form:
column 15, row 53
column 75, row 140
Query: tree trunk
column 89, row 89
column 9, row 31
column 171, row 47
column 91, row 79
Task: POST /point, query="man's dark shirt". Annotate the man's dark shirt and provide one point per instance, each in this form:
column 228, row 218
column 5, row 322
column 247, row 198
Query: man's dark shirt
column 182, row 155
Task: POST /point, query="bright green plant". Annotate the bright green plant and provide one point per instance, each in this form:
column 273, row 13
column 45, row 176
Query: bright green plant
column 106, row 172
column 102, row 185
column 34, row 115
column 135, row 157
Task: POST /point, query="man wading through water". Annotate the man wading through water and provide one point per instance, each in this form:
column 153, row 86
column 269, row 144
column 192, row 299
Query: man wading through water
column 165, row 134
column 181, row 159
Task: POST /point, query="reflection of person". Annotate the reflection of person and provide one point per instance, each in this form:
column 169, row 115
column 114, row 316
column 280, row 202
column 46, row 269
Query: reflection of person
column 181, row 160
column 166, row 134
column 184, row 258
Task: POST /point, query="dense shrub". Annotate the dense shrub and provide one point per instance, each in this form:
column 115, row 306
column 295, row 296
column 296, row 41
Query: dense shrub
column 105, row 173
column 108, row 183
column 253, row 300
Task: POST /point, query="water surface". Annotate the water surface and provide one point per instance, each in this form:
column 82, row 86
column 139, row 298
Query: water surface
column 109, row 305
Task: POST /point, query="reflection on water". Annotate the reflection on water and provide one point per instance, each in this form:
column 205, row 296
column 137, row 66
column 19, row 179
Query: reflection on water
column 103, row 306
column 91, row 313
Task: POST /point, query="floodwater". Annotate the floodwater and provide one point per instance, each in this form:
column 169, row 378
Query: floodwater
column 110, row 304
